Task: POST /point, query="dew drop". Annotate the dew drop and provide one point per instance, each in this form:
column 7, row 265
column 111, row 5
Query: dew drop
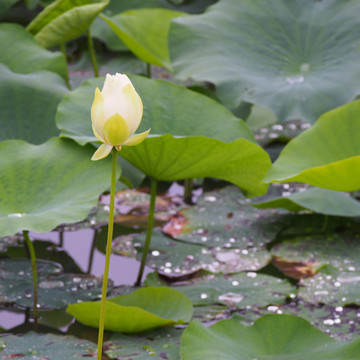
column 51, row 284
column 273, row 308
column 339, row 309
column 155, row 253
column 328, row 322
column 252, row 274
column 305, row 67
column 295, row 79
column 235, row 283
column 16, row 215
column 203, row 296
column 231, row 297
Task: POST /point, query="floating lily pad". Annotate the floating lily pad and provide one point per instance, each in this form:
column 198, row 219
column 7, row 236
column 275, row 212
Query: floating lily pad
column 176, row 258
column 64, row 20
column 24, row 55
column 336, row 288
column 271, row 337
column 277, row 63
column 237, row 290
column 55, row 290
column 161, row 344
column 47, row 185
column 227, row 151
column 341, row 250
column 323, row 201
column 145, row 33
column 327, row 155
column 48, row 346
column 225, row 219
column 28, row 110
column 142, row 310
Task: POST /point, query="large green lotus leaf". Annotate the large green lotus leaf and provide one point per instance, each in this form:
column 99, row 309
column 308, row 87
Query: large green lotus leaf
column 191, row 6
column 44, row 186
column 176, row 110
column 326, row 155
column 161, row 343
column 203, row 128
column 168, row 158
column 322, row 201
column 24, row 55
column 64, row 20
column 236, row 290
column 49, row 346
column 145, row 33
column 29, row 107
column 142, row 310
column 55, row 289
column 272, row 337
column 298, row 58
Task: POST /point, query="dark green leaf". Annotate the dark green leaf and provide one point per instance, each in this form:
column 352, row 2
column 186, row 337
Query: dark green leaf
column 298, row 58
column 29, row 107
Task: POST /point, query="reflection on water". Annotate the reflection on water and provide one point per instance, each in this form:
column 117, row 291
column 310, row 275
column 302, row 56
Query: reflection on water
column 123, row 271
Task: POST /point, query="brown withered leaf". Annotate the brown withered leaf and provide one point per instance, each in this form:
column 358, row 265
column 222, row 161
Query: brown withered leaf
column 295, row 269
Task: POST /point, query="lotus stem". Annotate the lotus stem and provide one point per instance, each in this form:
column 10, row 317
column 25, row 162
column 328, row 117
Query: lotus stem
column 93, row 55
column 149, row 230
column 326, row 221
column 63, row 50
column 61, row 238
column 91, row 259
column 107, row 256
column 188, row 188
column 148, row 70
column 31, row 249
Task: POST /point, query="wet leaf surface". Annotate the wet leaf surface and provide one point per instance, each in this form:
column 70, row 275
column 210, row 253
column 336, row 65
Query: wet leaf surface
column 340, row 322
column 236, row 291
column 35, row 346
column 157, row 344
column 332, row 287
column 224, row 218
column 176, row 258
column 55, row 290
column 341, row 250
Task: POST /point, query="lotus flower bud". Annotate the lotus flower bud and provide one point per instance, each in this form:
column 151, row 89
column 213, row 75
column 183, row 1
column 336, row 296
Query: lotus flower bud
column 116, row 114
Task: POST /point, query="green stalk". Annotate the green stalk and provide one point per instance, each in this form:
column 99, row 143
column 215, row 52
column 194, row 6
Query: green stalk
column 188, row 188
column 31, row 249
column 61, row 238
column 107, row 256
column 93, row 55
column 148, row 70
column 149, row 230
column 91, row 259
column 63, row 50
